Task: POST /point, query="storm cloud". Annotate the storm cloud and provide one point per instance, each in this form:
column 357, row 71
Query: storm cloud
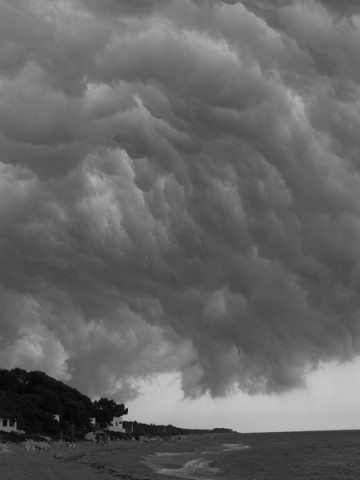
column 179, row 191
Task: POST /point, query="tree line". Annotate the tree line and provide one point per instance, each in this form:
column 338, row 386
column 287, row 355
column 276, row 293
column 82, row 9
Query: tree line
column 139, row 428
column 33, row 398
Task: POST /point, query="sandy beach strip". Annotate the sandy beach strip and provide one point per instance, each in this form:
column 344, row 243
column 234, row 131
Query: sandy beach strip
column 123, row 460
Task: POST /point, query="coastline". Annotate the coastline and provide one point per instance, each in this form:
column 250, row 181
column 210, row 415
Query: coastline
column 124, row 459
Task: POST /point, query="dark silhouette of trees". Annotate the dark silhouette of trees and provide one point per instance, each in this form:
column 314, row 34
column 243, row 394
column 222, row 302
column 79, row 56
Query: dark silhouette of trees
column 106, row 409
column 33, row 398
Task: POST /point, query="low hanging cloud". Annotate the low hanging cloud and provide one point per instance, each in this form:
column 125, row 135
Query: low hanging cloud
column 179, row 191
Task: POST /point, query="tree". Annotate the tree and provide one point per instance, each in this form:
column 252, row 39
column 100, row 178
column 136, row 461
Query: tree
column 106, row 409
column 34, row 397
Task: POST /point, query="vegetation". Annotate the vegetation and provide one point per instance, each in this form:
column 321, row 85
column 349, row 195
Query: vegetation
column 106, row 409
column 169, row 430
column 33, row 398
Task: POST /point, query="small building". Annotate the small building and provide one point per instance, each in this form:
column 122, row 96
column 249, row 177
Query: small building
column 116, row 425
column 56, row 417
column 8, row 424
column 92, row 421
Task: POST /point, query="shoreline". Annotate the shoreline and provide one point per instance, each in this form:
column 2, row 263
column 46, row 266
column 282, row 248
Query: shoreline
column 124, row 459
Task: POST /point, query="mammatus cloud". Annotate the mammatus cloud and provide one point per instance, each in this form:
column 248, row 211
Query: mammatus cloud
column 179, row 190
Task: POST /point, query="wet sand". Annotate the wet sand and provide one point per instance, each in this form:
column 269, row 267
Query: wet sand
column 123, row 460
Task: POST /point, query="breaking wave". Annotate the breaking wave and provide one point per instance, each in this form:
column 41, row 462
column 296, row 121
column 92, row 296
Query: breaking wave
column 194, row 469
column 170, row 454
column 234, row 446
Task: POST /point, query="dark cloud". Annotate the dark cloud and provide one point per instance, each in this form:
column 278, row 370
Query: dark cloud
column 341, row 9
column 126, row 7
column 346, row 8
column 179, row 191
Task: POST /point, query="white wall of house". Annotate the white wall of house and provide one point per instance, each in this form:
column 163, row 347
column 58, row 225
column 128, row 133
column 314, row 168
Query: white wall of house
column 116, row 425
column 6, row 425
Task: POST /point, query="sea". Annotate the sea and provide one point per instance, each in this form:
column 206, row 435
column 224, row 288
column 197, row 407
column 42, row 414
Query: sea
column 323, row 455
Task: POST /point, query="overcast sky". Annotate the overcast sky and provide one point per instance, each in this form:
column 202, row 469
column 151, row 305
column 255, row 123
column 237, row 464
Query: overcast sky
column 180, row 206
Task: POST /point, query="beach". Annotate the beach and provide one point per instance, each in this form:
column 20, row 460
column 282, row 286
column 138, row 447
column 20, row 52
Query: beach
column 330, row 455
column 85, row 461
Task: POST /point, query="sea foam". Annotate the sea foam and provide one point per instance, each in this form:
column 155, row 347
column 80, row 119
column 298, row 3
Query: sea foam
column 170, row 454
column 234, row 446
column 194, row 469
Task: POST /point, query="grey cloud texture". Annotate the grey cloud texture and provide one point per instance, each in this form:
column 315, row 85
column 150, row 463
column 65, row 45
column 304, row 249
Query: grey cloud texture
column 179, row 191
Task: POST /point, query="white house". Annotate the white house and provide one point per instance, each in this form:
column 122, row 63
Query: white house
column 8, row 425
column 116, row 425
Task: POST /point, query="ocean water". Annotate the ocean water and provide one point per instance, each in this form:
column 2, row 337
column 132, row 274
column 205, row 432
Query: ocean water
column 322, row 455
